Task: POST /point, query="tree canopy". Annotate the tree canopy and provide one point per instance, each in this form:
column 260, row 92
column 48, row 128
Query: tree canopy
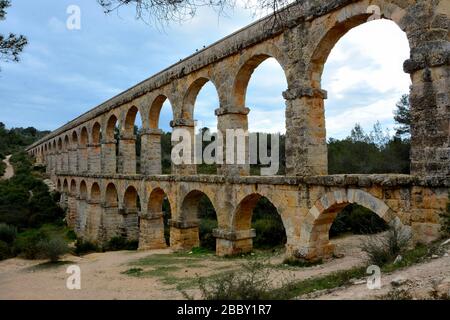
column 11, row 45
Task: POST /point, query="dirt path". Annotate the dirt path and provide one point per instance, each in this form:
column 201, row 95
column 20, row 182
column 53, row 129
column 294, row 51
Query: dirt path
column 419, row 280
column 102, row 277
column 9, row 171
column 102, row 274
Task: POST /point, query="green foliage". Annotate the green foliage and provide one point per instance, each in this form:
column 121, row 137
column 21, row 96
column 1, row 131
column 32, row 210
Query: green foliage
column 206, row 227
column 52, row 249
column 294, row 262
column 402, row 116
column 382, row 250
column 27, row 243
column 268, row 225
column 16, row 139
column 5, row 250
column 7, row 233
column 120, row 243
column 357, row 220
column 25, row 200
column 252, row 282
column 445, row 217
column 84, row 247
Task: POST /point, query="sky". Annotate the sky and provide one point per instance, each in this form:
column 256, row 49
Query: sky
column 64, row 73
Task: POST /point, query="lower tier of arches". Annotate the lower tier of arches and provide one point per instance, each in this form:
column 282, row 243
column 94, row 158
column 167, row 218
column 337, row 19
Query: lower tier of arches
column 102, row 207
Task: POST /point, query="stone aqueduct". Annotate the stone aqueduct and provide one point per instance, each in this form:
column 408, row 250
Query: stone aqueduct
column 107, row 197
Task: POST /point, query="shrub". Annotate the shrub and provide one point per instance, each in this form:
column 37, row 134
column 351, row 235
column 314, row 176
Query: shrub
column 384, row 249
column 250, row 283
column 52, row 249
column 5, row 250
column 26, row 244
column 269, row 232
column 207, row 240
column 71, row 235
column 84, row 247
column 120, row 243
column 7, row 233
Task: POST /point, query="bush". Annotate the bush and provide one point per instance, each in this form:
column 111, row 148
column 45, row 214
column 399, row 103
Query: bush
column 52, row 249
column 5, row 250
column 7, row 233
column 120, row 243
column 84, row 247
column 206, row 227
column 269, row 232
column 382, row 250
column 250, row 283
column 26, row 244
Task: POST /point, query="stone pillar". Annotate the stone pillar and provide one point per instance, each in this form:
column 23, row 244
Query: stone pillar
column 94, row 151
column 112, row 223
column 151, row 152
column 81, row 218
column 189, row 126
column 151, row 231
column 430, row 106
column 83, row 159
column 73, row 160
column 71, row 215
column 130, row 226
column 127, row 154
column 184, row 235
column 93, row 221
column 306, row 147
column 230, row 242
column 233, row 118
column 65, row 161
column 108, row 157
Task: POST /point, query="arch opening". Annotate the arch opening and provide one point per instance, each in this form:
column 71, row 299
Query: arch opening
column 259, row 213
column 159, row 204
column 259, row 86
column 111, row 196
column 200, row 103
column 159, row 117
column 132, row 130
column 198, row 209
column 364, row 78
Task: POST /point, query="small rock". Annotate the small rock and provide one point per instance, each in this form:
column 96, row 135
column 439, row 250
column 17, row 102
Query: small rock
column 445, row 242
column 434, row 256
column 446, row 254
column 398, row 259
column 398, row 281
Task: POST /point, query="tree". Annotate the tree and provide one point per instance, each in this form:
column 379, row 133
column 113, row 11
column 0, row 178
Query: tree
column 166, row 11
column 12, row 45
column 402, row 116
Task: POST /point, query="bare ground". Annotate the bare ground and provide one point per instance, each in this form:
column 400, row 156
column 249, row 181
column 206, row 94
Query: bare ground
column 102, row 274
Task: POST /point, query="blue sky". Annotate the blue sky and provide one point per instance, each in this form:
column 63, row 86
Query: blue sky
column 64, row 73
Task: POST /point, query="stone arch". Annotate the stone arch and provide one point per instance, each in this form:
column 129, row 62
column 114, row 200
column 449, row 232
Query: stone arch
column 131, row 199
column 58, row 185
column 129, row 120
column 190, row 203
column 73, row 187
column 246, row 70
column 66, row 144
column 110, row 127
column 111, row 195
column 84, row 137
column 337, row 26
column 83, row 190
column 95, row 192
column 74, row 141
column 155, row 201
column 155, row 110
column 96, row 133
column 191, row 94
column 242, row 215
column 65, row 186
column 60, row 144
column 315, row 229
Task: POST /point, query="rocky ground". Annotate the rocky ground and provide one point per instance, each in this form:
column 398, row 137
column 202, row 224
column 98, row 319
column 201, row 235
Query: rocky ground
column 113, row 275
